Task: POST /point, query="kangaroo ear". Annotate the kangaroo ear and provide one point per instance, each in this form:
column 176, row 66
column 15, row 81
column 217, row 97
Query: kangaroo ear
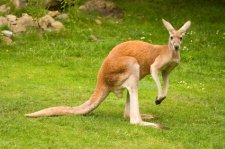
column 185, row 27
column 168, row 26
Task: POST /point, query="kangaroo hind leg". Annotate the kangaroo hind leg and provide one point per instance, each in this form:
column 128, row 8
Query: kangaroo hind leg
column 132, row 105
column 126, row 114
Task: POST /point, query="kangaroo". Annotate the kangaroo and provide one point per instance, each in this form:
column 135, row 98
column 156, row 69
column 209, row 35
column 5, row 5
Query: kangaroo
column 125, row 65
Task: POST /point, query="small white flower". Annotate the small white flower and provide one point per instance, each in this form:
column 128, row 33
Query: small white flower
column 183, row 82
column 217, row 32
column 185, row 48
column 191, row 32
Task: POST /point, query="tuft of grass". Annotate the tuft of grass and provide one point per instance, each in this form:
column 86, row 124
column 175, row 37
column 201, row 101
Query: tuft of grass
column 60, row 68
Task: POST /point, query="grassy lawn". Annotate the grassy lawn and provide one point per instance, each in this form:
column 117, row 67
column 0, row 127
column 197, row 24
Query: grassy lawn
column 49, row 69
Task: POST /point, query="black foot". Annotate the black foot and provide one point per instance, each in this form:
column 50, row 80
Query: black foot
column 159, row 100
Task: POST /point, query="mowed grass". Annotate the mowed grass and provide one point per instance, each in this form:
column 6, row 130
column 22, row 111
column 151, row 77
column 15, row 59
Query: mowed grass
column 48, row 69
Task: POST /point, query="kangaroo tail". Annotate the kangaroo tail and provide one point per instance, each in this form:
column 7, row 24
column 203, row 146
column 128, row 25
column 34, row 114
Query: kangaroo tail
column 100, row 93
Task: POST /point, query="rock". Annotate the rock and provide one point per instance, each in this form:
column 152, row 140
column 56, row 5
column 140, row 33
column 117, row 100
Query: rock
column 17, row 25
column 22, row 24
column 62, row 16
column 6, row 40
column 11, row 19
column 97, row 21
column 53, row 13
column 3, row 21
column 103, row 7
column 48, row 23
column 17, row 28
column 7, row 33
column 4, row 8
column 93, row 37
column 45, row 21
column 57, row 25
column 26, row 20
column 19, row 3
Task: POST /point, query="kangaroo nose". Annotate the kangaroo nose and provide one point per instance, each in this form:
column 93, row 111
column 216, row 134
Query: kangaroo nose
column 176, row 47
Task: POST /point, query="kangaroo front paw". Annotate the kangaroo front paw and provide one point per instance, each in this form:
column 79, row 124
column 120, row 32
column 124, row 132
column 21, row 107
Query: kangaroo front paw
column 159, row 100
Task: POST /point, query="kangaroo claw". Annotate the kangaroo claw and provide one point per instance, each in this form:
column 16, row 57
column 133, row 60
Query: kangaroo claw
column 159, row 100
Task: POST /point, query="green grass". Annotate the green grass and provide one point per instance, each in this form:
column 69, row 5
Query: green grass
column 48, row 69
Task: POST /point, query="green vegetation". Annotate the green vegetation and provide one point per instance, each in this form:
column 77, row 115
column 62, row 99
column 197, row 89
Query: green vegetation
column 47, row 69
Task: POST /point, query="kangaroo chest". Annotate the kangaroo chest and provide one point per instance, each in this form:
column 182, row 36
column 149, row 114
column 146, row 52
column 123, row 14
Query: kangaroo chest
column 172, row 62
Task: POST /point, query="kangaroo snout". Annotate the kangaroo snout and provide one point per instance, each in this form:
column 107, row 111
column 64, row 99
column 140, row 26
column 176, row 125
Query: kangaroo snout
column 176, row 47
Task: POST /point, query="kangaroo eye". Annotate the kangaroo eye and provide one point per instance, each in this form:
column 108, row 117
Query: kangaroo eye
column 181, row 38
column 171, row 37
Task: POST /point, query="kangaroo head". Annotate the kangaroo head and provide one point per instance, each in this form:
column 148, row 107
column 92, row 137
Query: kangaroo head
column 176, row 36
